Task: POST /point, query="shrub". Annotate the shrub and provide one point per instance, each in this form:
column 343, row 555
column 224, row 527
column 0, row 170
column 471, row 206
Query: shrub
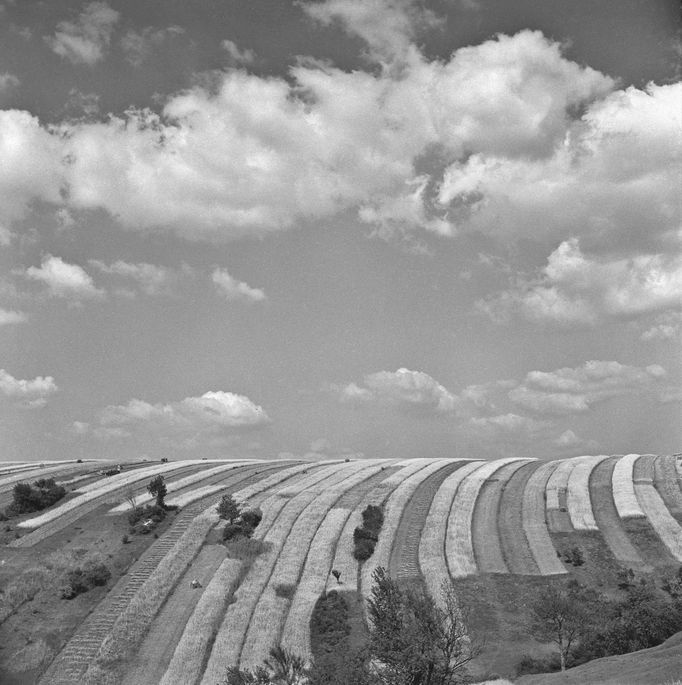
column 286, row 590
column 251, row 517
column 82, row 579
column 236, row 531
column 42, row 494
column 125, row 539
column 157, row 488
column 227, row 508
column 145, row 519
column 365, row 537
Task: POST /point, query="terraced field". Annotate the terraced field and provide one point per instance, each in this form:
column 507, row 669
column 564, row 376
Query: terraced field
column 496, row 530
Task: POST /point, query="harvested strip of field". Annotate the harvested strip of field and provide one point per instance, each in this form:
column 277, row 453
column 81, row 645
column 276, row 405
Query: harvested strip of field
column 624, row 487
column 534, row 523
column 666, row 482
column 432, row 561
column 175, row 485
column 270, row 612
column 516, row 551
column 459, row 544
column 404, row 560
column 649, row 545
column 484, row 530
column 644, row 470
column 229, row 639
column 578, row 498
column 155, row 653
column 29, row 475
column 607, row 519
column 557, row 488
column 667, row 528
column 393, row 511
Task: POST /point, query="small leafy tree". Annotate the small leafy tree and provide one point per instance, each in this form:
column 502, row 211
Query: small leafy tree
column 227, row 508
column 281, row 668
column 337, row 574
column 157, row 488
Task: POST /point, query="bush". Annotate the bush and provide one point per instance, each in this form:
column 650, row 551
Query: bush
column 241, row 524
column 286, row 590
column 145, row 519
column 529, row 665
column 363, row 549
column 82, row 579
column 365, row 537
column 227, row 508
column 28, row 498
column 236, row 531
column 251, row 517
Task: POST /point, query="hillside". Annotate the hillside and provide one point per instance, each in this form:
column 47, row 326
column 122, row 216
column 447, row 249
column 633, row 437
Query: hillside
column 499, row 530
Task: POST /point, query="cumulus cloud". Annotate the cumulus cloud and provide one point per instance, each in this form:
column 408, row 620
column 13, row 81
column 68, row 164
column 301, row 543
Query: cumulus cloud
column 85, row 40
column 667, row 326
column 152, row 279
column 64, row 280
column 575, row 390
column 506, row 423
column 9, row 316
column 232, row 289
column 8, row 81
column 212, row 413
column 574, row 289
column 139, row 45
column 412, row 390
column 31, row 394
column 237, row 55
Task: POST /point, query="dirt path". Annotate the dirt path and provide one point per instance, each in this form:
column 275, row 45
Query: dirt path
column 404, row 560
column 153, row 657
column 515, row 548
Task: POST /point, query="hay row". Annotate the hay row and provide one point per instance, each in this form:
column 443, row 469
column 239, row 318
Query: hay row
column 558, row 481
column 230, row 637
column 485, row 534
column 432, row 561
column 459, row 544
column 578, row 496
column 667, row 528
column 623, row 487
column 393, row 511
column 535, row 524
column 270, row 612
column 666, row 482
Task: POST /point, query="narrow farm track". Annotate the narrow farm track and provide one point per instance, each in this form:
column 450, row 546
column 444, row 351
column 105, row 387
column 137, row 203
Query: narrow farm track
column 515, row 548
column 666, row 482
column 404, row 560
column 535, row 523
column 608, row 521
column 484, row 529
column 82, row 648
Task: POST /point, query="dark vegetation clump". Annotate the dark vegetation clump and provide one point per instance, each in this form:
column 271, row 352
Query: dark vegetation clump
column 366, row 536
column 145, row 519
column 84, row 578
column 241, row 523
column 330, row 623
column 27, row 498
column 285, row 590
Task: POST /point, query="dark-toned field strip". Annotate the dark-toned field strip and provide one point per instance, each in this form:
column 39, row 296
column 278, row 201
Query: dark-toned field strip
column 43, row 532
column 644, row 469
column 559, row 519
column 608, row 520
column 667, row 483
column 515, row 548
column 404, row 559
column 82, row 648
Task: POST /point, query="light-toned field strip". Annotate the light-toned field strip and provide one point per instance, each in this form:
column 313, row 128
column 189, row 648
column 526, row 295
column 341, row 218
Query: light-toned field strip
column 667, row 483
column 485, row 535
column 459, row 544
column 270, row 612
column 393, row 510
column 623, row 487
column 28, row 476
column 661, row 519
column 432, row 561
column 535, row 524
column 515, row 548
column 578, row 496
column 230, row 637
column 344, row 561
column 557, row 488
column 608, row 521
column 175, row 485
column 33, row 465
column 104, row 487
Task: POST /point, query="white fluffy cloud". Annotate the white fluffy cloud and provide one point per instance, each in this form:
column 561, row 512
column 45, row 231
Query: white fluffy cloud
column 237, row 55
column 152, row 279
column 574, row 288
column 139, row 45
column 85, row 40
column 232, row 289
column 575, row 390
column 403, row 388
column 64, row 280
column 31, row 394
column 9, row 316
column 667, row 326
column 211, row 413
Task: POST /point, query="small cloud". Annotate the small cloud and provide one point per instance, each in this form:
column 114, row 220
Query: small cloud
column 666, row 327
column 152, row 279
column 8, row 81
column 64, row 280
column 81, row 105
column 85, row 40
column 29, row 394
column 139, row 45
column 232, row 289
column 80, row 428
column 236, row 55
column 9, row 316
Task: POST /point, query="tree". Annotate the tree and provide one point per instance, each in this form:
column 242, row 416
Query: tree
column 416, row 640
column 280, row 668
column 157, row 488
column 560, row 616
column 227, row 508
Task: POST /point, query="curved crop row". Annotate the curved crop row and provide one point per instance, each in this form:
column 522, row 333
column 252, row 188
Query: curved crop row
column 485, row 533
column 660, row 518
column 667, row 483
column 270, row 612
column 623, row 487
column 578, row 496
column 459, row 543
column 29, row 475
column 230, row 637
column 432, row 561
column 556, row 492
column 535, row 524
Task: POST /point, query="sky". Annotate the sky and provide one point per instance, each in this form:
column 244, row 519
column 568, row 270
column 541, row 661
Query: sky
column 340, row 228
